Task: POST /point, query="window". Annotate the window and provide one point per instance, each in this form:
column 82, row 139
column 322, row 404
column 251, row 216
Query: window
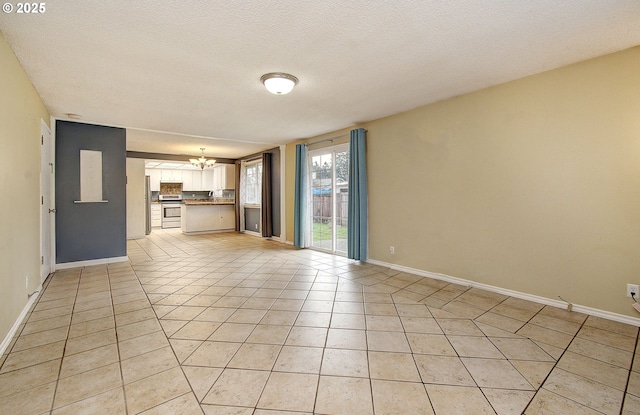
column 253, row 183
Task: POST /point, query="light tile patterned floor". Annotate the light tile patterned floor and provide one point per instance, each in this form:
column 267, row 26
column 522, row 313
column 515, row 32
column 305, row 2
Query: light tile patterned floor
column 233, row 324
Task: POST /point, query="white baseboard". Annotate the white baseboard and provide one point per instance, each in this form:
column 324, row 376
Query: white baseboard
column 101, row 261
column 12, row 332
column 634, row 321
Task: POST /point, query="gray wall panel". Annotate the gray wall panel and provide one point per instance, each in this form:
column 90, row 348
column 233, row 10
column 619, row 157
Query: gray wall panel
column 86, row 231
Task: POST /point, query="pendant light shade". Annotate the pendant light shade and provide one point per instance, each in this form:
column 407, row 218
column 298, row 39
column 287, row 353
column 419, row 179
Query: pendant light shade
column 279, row 83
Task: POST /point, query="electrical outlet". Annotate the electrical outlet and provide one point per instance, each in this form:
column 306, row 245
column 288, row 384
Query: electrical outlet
column 633, row 288
column 392, row 250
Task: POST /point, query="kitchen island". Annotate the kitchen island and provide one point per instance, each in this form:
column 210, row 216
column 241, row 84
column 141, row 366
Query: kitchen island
column 208, row 216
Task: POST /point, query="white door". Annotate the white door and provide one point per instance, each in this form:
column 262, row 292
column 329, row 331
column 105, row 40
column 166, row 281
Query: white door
column 46, row 214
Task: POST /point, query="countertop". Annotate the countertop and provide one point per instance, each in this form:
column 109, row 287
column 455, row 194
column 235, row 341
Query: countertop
column 215, row 201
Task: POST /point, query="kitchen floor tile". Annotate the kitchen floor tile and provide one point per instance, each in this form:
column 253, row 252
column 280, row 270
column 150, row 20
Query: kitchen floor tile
column 495, row 373
column 393, row 366
column 400, row 398
column 237, row 387
column 507, row 402
column 443, row 370
column 107, row 403
column 255, row 356
column 201, row 379
column 458, row 400
column 340, row 362
column 213, row 354
column 584, row 391
column 299, row 359
column 84, row 385
column 154, row 390
column 383, row 341
column 344, row 395
column 300, row 392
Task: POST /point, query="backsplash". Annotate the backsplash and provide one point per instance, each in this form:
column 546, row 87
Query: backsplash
column 196, row 195
column 170, row 188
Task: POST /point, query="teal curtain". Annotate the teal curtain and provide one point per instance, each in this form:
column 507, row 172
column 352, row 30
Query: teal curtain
column 357, row 213
column 300, row 198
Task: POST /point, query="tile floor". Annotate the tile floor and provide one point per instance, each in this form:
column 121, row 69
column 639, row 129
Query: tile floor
column 232, row 324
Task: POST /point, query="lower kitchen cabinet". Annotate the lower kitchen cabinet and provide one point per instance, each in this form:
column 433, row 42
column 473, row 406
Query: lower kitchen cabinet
column 227, row 216
column 156, row 215
column 206, row 217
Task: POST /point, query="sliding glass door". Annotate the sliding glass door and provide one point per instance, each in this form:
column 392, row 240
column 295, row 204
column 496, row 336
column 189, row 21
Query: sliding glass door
column 251, row 200
column 328, row 198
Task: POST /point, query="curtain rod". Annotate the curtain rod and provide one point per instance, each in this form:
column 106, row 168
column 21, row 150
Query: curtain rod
column 329, row 139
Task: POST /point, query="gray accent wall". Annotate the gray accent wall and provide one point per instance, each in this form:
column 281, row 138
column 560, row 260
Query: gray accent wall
column 252, row 219
column 89, row 231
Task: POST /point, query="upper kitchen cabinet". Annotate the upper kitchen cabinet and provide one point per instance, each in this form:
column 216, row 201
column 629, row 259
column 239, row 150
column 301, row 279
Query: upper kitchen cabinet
column 192, row 180
column 224, row 176
column 207, row 179
column 170, row 175
column 154, row 174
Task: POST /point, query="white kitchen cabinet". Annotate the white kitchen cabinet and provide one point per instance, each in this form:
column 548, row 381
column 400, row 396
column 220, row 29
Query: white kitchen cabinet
column 192, row 180
column 207, row 179
column 227, row 216
column 224, row 176
column 171, row 175
column 187, row 181
column 156, row 215
column 154, row 178
column 206, row 217
column 197, row 179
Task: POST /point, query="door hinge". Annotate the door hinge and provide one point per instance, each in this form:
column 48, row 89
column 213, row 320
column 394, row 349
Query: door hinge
column 41, row 260
column 42, row 200
column 41, row 140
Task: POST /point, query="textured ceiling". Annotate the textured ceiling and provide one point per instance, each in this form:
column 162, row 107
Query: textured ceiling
column 192, row 68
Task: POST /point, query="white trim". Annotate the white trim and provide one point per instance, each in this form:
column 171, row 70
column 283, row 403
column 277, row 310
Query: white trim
column 283, row 196
column 7, row 339
column 252, row 233
column 101, row 261
column 52, row 205
column 46, row 173
column 621, row 318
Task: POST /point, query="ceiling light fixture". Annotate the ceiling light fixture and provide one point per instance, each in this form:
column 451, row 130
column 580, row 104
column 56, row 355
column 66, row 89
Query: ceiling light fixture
column 202, row 162
column 279, row 83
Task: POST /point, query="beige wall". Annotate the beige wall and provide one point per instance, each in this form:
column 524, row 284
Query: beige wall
column 532, row 186
column 20, row 112
column 136, row 215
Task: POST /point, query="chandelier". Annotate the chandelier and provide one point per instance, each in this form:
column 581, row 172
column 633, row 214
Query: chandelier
column 201, row 161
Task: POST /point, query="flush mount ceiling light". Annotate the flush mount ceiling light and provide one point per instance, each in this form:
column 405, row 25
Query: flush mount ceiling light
column 279, row 83
column 201, row 161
